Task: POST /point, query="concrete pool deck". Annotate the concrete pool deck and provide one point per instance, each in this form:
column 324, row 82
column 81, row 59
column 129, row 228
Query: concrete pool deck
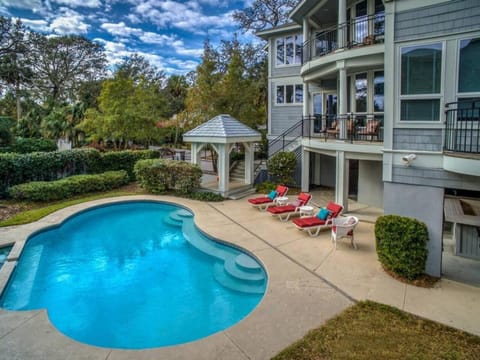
column 309, row 283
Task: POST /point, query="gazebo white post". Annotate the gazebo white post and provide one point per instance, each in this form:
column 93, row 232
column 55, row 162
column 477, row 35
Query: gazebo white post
column 194, row 154
column 223, row 168
column 249, row 163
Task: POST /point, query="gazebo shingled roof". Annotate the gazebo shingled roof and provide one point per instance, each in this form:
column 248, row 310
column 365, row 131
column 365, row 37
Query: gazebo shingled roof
column 222, row 126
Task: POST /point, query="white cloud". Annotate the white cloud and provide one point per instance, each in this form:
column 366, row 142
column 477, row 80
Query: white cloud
column 120, row 29
column 79, row 3
column 186, row 16
column 34, row 5
column 36, row 25
column 69, row 22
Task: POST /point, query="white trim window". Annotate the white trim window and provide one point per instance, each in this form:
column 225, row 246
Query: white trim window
column 421, row 82
column 291, row 94
column 469, row 68
column 288, row 50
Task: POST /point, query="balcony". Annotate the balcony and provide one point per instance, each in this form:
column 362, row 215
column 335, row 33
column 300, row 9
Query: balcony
column 352, row 127
column 462, row 137
column 361, row 31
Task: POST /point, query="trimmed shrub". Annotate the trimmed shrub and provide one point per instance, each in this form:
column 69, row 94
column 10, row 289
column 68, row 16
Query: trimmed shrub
column 401, row 245
column 70, row 186
column 282, row 165
column 160, row 175
column 29, row 145
column 124, row 160
column 47, row 166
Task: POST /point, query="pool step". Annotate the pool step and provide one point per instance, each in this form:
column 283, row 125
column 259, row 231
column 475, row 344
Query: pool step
column 232, row 269
column 247, row 263
column 176, row 217
column 236, row 284
column 202, row 243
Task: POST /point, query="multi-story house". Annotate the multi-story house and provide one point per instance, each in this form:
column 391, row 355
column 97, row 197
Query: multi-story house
column 378, row 99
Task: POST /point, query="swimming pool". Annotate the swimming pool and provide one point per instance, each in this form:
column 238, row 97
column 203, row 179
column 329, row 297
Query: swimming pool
column 134, row 275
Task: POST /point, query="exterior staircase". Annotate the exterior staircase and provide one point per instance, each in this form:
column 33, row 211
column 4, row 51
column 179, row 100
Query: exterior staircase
column 238, row 272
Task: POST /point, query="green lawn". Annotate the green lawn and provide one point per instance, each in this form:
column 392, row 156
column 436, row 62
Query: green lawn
column 369, row 330
column 39, row 210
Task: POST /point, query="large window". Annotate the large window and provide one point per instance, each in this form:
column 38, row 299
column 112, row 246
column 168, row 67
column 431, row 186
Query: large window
column 421, row 77
column 378, row 91
column 469, row 66
column 289, row 50
column 289, row 94
column 361, row 92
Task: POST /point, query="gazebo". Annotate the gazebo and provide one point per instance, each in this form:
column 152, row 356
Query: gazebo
column 222, row 132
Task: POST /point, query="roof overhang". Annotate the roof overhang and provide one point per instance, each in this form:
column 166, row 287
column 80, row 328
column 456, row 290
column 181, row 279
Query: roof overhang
column 279, row 30
column 222, row 140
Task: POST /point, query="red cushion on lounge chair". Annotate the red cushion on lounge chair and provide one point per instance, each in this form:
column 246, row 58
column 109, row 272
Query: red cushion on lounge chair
column 260, row 200
column 304, row 198
column 335, row 209
column 281, row 209
column 308, row 221
column 281, row 190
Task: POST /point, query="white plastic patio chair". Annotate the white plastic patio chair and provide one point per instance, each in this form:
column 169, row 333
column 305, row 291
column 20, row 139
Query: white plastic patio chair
column 344, row 227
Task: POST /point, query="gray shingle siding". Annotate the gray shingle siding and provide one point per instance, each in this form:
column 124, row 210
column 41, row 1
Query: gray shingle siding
column 434, row 177
column 290, row 70
column 438, row 19
column 417, row 139
column 283, row 117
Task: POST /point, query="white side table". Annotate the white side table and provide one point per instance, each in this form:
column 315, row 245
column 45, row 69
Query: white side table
column 306, row 210
column 282, row 200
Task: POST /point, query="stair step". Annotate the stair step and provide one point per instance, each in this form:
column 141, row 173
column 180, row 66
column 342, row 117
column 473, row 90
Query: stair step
column 233, row 270
column 183, row 213
column 247, row 263
column 201, row 243
column 235, row 284
column 169, row 221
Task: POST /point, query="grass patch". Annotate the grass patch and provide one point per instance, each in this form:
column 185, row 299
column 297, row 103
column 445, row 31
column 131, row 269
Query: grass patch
column 39, row 210
column 370, row 330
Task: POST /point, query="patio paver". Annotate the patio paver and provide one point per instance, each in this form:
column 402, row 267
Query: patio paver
column 309, row 282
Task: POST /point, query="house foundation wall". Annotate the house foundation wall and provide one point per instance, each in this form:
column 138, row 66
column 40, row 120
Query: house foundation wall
column 425, row 204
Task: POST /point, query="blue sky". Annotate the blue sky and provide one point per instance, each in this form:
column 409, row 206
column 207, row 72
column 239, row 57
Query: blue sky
column 168, row 33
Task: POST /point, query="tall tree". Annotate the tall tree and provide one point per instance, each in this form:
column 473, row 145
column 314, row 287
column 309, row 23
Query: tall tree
column 263, row 14
column 176, row 92
column 201, row 97
column 61, row 64
column 137, row 68
column 15, row 70
column 129, row 106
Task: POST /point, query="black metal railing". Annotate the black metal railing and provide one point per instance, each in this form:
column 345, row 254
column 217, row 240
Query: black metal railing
column 364, row 30
column 462, row 127
column 281, row 142
column 350, row 127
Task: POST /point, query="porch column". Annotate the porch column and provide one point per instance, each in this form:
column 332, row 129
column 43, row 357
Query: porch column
column 342, row 18
column 223, row 168
column 306, row 99
column 249, row 163
column 195, row 151
column 342, row 97
column 306, row 41
column 305, row 170
column 341, row 185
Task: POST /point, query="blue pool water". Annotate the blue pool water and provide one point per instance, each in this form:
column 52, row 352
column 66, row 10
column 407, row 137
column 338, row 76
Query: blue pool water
column 134, row 275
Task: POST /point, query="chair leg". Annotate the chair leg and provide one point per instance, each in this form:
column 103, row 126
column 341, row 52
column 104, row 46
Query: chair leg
column 353, row 242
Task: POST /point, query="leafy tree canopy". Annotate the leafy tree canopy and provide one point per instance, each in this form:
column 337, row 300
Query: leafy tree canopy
column 263, row 14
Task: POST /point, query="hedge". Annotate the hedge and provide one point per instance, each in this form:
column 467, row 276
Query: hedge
column 28, row 145
column 68, row 187
column 158, row 176
column 401, row 245
column 48, row 166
